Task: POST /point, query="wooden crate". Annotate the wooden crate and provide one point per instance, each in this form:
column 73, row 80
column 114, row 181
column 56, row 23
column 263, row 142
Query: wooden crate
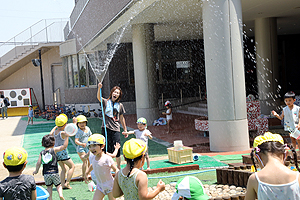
column 180, row 156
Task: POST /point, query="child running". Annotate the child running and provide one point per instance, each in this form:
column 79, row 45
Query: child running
column 290, row 114
column 130, row 181
column 168, row 114
column 274, row 180
column 141, row 133
column 17, row 186
column 62, row 156
column 48, row 158
column 101, row 163
column 81, row 139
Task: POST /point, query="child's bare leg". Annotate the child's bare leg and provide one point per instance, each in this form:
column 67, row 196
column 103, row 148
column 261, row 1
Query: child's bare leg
column 98, row 195
column 293, row 142
column 60, row 193
column 49, row 189
column 71, row 166
column 63, row 172
column 31, row 120
column 84, row 163
column 28, row 120
column 148, row 161
column 110, row 196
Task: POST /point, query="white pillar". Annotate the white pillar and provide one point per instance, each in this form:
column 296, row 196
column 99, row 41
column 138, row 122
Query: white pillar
column 225, row 79
column 267, row 63
column 144, row 72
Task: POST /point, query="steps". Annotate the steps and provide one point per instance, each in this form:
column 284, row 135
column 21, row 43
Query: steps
column 199, row 109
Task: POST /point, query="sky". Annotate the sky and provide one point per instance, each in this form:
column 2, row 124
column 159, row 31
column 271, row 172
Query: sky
column 18, row 15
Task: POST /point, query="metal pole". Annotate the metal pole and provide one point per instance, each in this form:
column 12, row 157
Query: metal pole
column 42, row 81
column 200, row 92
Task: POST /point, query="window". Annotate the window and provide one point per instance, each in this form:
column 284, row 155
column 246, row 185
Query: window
column 70, row 73
column 75, row 71
column 130, row 66
column 82, row 70
column 91, row 75
column 173, row 63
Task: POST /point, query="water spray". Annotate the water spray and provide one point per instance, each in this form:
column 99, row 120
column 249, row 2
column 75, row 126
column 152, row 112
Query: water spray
column 100, row 70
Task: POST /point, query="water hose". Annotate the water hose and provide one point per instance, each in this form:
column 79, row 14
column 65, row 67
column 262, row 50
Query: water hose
column 160, row 177
column 103, row 117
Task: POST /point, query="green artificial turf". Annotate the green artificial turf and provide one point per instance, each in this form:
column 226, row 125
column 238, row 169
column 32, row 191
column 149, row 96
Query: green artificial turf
column 203, row 162
column 33, row 137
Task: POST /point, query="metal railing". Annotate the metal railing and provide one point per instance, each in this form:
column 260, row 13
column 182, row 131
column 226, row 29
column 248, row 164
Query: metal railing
column 44, row 31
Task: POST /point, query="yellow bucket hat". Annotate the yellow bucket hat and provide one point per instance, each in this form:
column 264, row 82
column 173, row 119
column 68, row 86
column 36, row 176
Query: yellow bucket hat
column 61, row 120
column 267, row 137
column 81, row 118
column 96, row 138
column 15, row 156
column 134, row 148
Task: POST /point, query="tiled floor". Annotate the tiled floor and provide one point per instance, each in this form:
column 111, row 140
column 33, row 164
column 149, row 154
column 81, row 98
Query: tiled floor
column 183, row 129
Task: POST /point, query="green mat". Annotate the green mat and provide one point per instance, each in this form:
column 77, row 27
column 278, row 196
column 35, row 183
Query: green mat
column 203, row 162
column 229, row 157
column 33, row 137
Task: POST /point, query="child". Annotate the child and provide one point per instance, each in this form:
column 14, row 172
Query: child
column 17, row 185
column 131, row 181
column 30, row 115
column 81, row 139
column 62, row 156
column 168, row 114
column 189, row 187
column 114, row 111
column 141, row 133
column 101, row 164
column 274, row 180
column 290, row 114
column 50, row 169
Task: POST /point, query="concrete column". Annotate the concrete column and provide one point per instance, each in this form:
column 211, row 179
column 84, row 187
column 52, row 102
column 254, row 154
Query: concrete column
column 144, row 72
column 267, row 63
column 225, row 80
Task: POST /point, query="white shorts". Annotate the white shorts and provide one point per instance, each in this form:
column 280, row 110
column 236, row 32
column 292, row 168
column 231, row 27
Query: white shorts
column 106, row 187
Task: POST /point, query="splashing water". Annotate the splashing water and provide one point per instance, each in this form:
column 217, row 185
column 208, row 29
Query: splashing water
column 101, row 69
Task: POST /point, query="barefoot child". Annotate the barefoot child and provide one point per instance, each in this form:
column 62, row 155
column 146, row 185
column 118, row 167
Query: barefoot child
column 130, row 181
column 62, row 156
column 101, row 164
column 168, row 114
column 81, row 139
column 30, row 115
column 141, row 133
column 290, row 114
column 48, row 158
column 274, row 180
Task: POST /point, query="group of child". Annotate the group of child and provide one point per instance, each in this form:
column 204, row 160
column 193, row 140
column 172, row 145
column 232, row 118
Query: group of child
column 269, row 152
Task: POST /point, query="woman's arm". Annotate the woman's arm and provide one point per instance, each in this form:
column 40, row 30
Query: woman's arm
column 142, row 182
column 122, row 120
column 117, row 192
column 33, row 195
column 98, row 92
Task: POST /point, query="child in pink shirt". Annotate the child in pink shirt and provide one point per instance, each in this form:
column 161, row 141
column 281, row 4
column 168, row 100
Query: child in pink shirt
column 101, row 163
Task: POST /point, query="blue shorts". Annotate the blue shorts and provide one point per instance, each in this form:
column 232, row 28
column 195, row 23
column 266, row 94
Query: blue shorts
column 62, row 155
column 81, row 149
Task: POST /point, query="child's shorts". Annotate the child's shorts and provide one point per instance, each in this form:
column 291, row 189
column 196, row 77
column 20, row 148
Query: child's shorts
column 52, row 179
column 106, row 187
column 81, row 149
column 62, row 155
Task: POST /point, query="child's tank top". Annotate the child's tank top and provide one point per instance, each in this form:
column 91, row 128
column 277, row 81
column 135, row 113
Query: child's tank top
column 283, row 191
column 128, row 185
column 58, row 140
